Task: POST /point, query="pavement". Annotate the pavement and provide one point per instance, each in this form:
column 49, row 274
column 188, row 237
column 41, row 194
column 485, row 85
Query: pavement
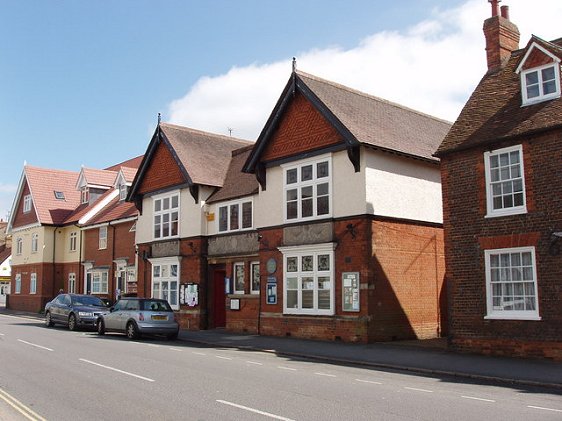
column 429, row 357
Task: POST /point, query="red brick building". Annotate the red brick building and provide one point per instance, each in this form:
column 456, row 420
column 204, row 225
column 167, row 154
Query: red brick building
column 502, row 209
column 329, row 227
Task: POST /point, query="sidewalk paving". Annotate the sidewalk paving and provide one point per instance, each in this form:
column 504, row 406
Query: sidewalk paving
column 425, row 357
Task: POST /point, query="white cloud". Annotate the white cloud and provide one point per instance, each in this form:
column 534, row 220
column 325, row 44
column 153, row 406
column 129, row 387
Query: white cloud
column 432, row 66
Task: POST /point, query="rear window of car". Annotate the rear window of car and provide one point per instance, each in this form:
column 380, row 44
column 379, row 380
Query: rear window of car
column 154, row 305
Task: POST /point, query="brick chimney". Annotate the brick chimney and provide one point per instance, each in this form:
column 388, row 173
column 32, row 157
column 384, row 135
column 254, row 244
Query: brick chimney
column 502, row 36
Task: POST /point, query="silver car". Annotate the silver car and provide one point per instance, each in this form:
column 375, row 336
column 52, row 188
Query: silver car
column 137, row 316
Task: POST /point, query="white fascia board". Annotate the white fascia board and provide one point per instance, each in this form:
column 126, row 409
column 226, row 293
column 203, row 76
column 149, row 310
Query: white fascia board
column 25, row 227
column 122, row 221
column 90, row 227
column 98, row 207
column 81, row 182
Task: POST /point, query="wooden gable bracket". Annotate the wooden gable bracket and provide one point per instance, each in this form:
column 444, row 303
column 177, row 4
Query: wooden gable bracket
column 194, row 190
column 261, row 175
column 354, row 155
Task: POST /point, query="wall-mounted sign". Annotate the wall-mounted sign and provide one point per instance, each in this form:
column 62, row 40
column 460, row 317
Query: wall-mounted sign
column 235, row 303
column 350, row 290
column 271, row 290
column 227, row 287
column 189, row 294
column 271, row 266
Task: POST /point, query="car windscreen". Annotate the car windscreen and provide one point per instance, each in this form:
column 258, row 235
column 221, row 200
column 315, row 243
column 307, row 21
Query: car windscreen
column 88, row 301
column 156, row 305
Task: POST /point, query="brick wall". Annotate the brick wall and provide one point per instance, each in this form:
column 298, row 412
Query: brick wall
column 469, row 233
column 301, row 129
column 45, row 287
column 21, row 219
column 163, row 171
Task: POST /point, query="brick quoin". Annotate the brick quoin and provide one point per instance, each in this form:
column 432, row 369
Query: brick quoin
column 301, row 129
column 468, row 234
column 163, row 171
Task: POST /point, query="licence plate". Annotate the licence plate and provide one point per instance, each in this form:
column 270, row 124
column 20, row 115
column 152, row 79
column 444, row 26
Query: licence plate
column 159, row 317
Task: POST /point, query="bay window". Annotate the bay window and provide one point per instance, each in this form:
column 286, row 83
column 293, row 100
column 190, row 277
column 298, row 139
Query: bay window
column 165, row 280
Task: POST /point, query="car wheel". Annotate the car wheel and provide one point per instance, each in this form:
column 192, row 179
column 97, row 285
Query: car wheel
column 100, row 325
column 48, row 321
column 172, row 336
column 72, row 322
column 132, row 331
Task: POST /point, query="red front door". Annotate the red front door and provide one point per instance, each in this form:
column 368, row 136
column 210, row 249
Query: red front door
column 219, row 299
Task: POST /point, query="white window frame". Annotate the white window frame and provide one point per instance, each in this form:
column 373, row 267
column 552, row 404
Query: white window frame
column 315, row 250
column 514, row 210
column 228, row 206
column 235, row 287
column 314, row 182
column 85, row 194
column 19, row 246
column 33, row 283
column 102, row 239
column 541, row 97
column 73, row 241
column 34, row 242
column 27, row 203
column 123, row 188
column 160, row 214
column 99, row 278
column 510, row 314
column 17, row 287
column 159, row 277
column 252, row 290
column 72, row 283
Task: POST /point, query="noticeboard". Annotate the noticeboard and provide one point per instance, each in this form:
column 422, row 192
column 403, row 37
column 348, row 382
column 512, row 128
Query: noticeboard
column 271, row 290
column 350, row 290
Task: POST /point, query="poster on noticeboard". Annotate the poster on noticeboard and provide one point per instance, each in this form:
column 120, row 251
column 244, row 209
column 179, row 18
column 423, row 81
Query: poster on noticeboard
column 350, row 290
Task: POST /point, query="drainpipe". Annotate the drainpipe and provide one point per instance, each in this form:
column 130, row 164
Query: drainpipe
column 54, row 261
column 113, row 259
column 80, row 261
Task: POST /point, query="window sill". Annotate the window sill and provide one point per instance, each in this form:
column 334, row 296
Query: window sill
column 514, row 211
column 530, row 317
column 288, row 312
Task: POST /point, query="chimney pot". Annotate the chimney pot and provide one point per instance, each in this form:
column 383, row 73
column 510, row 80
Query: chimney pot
column 505, row 12
column 495, row 4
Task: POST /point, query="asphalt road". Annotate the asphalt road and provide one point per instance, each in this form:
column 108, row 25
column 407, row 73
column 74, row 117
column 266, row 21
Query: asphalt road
column 55, row 374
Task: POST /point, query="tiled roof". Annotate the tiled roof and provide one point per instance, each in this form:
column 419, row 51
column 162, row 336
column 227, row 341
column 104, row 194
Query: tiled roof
column 130, row 163
column 99, row 177
column 84, row 208
column 115, row 210
column 494, row 111
column 377, row 122
column 205, row 156
column 43, row 183
column 129, row 174
column 5, row 252
column 236, row 183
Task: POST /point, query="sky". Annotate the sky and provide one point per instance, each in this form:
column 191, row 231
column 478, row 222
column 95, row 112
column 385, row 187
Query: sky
column 82, row 82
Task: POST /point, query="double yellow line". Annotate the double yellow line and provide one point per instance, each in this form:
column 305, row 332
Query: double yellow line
column 20, row 407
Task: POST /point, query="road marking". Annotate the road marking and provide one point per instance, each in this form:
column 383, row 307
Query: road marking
column 419, row 390
column 367, row 381
column 254, row 362
column 544, row 409
column 20, row 407
column 223, row 358
column 153, row 345
column 198, row 353
column 478, row 399
column 286, row 368
column 1, row 334
column 176, row 349
column 256, row 411
column 325, row 374
column 117, row 370
column 35, row 345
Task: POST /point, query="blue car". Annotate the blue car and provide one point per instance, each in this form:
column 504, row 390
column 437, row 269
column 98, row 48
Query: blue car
column 74, row 310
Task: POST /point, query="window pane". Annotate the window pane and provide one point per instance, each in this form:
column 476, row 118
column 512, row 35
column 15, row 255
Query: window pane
column 247, row 215
column 323, row 262
column 323, row 300
column 531, row 78
column 549, row 87
column 292, row 283
column 292, row 264
column 156, row 271
column 166, row 203
column 157, row 205
column 306, row 208
column 292, row 194
column 255, row 277
column 308, row 299
column 234, row 217
column 292, row 176
column 174, row 270
column 322, row 170
column 547, row 74
column 307, row 265
column 223, row 221
column 306, row 173
column 292, row 210
column 532, row 91
column 323, row 205
column 174, row 201
column 292, row 299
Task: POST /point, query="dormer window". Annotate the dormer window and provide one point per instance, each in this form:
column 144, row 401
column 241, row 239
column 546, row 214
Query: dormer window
column 85, row 194
column 540, row 83
column 122, row 191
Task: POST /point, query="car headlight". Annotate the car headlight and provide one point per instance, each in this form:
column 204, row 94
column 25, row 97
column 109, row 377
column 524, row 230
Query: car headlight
column 85, row 314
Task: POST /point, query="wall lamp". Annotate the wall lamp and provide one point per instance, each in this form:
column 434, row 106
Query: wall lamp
column 554, row 247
